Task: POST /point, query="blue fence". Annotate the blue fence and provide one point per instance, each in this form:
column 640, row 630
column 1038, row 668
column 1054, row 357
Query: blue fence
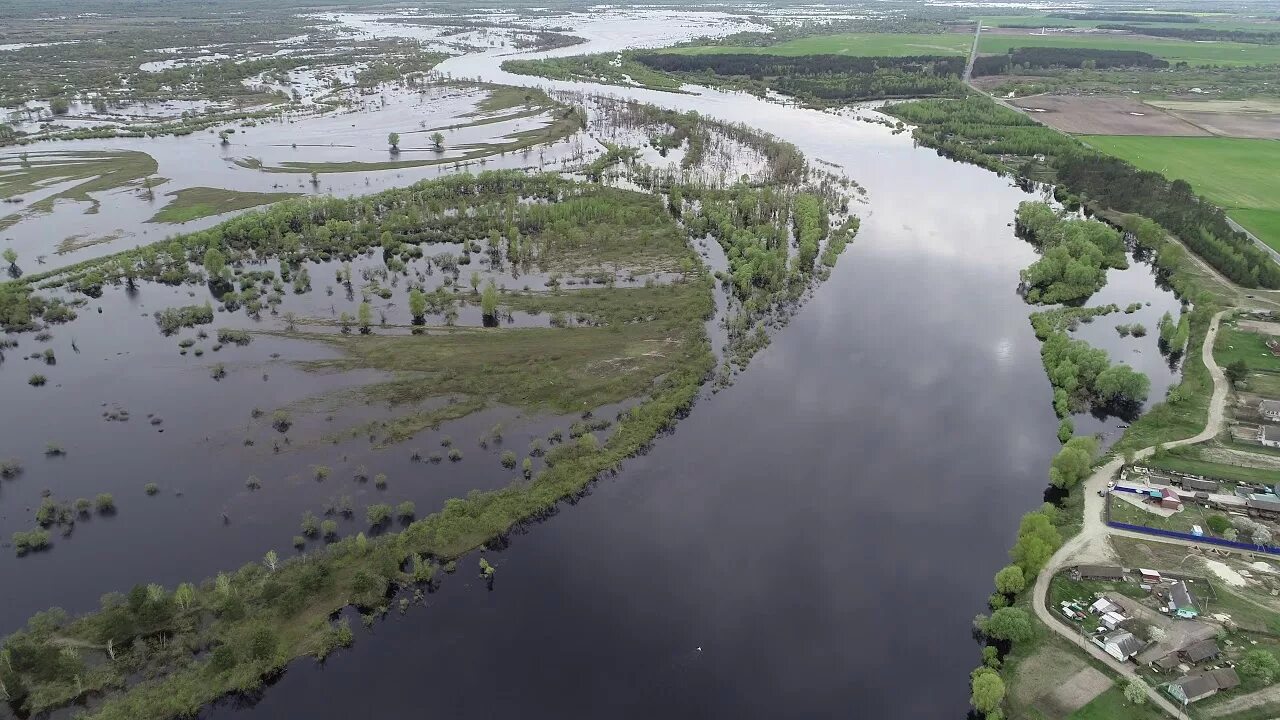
column 1203, row 539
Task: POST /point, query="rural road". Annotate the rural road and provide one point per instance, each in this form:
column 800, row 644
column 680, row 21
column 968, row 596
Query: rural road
column 1090, row 543
column 973, row 53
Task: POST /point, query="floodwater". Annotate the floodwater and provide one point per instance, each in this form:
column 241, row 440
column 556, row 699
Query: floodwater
column 810, row 542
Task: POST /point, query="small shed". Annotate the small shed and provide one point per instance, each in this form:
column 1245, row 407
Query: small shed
column 1167, row 663
column 1264, row 505
column 1150, row 577
column 1102, row 606
column 1112, row 620
column 1100, row 572
column 1200, row 484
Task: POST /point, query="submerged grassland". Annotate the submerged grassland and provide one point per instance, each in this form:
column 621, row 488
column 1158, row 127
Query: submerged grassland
column 157, row 652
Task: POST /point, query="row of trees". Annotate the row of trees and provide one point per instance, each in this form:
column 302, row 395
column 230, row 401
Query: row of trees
column 1040, row 58
column 1113, row 183
column 822, row 78
column 1038, row 539
column 1201, row 34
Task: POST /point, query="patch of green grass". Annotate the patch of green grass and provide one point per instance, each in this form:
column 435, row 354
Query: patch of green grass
column 1238, row 345
column 562, row 369
column 1194, row 53
column 1235, row 172
column 866, row 44
column 1111, row 705
column 1264, row 224
column 197, row 202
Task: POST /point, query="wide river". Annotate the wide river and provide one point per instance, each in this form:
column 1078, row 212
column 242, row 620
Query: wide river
column 812, row 542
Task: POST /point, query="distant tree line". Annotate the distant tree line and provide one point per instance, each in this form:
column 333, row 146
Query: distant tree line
column 827, row 78
column 1127, row 17
column 1261, row 37
column 1040, row 58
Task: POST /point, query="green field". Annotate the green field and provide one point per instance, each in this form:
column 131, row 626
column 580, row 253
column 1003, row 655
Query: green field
column 1238, row 174
column 1194, row 53
column 1111, row 705
column 1207, row 22
column 197, row 202
column 870, row 44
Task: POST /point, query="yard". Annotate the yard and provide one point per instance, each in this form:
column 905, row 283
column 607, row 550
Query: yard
column 1235, row 344
column 1191, row 514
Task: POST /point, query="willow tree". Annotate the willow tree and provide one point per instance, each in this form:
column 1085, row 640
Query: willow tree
column 489, row 301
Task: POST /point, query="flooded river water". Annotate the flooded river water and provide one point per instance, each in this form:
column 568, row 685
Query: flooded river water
column 812, row 542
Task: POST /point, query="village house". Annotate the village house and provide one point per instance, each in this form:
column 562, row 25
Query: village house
column 1269, row 435
column 1198, row 686
column 1120, row 644
column 1169, row 499
column 1180, row 601
column 1270, row 409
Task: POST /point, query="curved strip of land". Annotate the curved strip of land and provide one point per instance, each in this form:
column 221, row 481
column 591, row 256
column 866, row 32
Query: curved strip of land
column 1090, row 543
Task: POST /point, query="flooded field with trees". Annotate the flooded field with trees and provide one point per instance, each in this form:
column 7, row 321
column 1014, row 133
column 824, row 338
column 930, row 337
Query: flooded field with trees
column 342, row 358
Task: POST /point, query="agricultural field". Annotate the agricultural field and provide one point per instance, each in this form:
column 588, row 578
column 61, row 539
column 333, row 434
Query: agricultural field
column 1175, row 51
column 1106, row 115
column 1237, row 174
column 867, row 44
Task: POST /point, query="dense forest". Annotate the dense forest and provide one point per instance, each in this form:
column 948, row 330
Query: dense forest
column 821, row 78
column 1201, row 34
column 1040, row 58
column 1127, row 16
column 978, row 131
